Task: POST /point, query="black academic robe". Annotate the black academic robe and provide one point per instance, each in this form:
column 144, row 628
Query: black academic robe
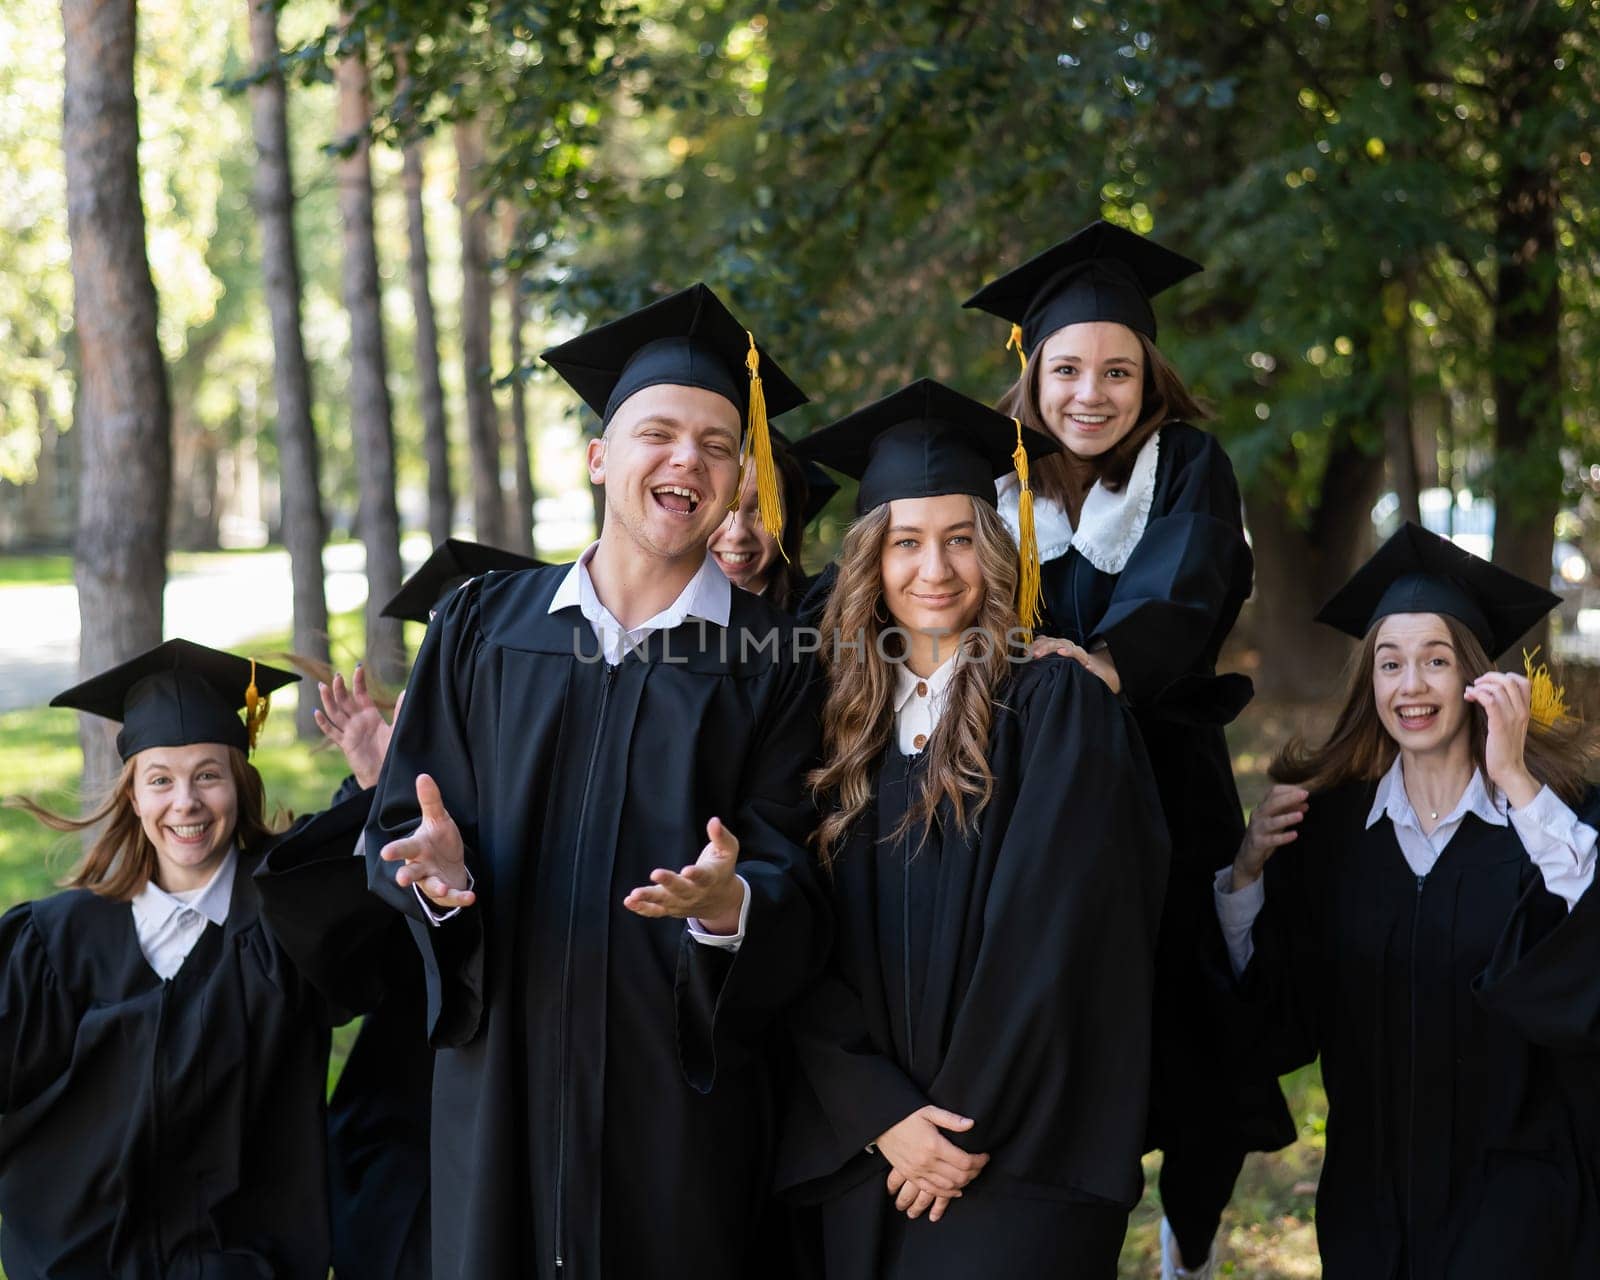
column 1164, row 618
column 359, row 953
column 158, row 1130
column 1004, row 974
column 1457, row 1016
column 577, row 1132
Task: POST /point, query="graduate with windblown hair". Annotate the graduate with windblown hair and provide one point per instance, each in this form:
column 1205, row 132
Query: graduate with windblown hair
column 1414, row 902
column 163, row 1062
column 972, row 1084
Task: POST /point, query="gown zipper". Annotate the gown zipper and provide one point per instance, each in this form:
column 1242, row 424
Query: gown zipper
column 566, row 969
column 1411, row 1110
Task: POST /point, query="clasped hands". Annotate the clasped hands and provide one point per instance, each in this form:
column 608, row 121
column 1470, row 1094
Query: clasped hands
column 434, row 860
column 928, row 1170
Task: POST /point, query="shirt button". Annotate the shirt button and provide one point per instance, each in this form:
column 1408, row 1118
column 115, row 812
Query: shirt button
column 922, row 688
column 920, row 741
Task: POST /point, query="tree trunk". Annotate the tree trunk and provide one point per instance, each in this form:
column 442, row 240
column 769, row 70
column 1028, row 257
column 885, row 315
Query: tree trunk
column 305, row 527
column 377, row 519
column 123, row 407
column 1526, row 364
column 477, row 297
column 1298, row 568
column 1400, row 453
column 435, row 428
column 519, row 525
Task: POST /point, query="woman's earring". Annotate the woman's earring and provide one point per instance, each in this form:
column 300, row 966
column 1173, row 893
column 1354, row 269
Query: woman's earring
column 882, row 622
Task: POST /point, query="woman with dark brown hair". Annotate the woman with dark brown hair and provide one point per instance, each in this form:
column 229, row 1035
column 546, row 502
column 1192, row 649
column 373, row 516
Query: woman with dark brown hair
column 1144, row 567
column 971, row 1090
column 1431, row 930
column 162, row 1062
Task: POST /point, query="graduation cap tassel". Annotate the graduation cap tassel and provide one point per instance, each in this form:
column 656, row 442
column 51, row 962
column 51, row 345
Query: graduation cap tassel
column 758, row 445
column 255, row 708
column 1549, row 705
column 1027, row 543
column 1015, row 340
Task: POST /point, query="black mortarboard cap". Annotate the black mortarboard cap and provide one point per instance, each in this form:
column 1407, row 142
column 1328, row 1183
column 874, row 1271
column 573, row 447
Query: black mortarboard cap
column 820, row 486
column 453, row 561
column 1419, row 572
column 179, row 694
column 689, row 339
column 1103, row 272
column 920, row 442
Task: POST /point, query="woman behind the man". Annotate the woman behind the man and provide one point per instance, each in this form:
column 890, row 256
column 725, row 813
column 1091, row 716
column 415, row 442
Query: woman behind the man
column 1431, row 930
column 973, row 1066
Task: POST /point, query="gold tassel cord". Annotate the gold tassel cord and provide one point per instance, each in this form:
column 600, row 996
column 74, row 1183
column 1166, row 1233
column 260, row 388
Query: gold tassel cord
column 758, row 446
column 1027, row 543
column 1015, row 340
column 1549, row 705
column 256, row 708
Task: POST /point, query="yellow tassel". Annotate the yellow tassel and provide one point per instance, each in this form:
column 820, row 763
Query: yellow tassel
column 758, row 447
column 255, row 709
column 1549, row 706
column 1027, row 543
column 1015, row 340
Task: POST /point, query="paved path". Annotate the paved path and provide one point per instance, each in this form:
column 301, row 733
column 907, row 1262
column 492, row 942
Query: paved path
column 223, row 603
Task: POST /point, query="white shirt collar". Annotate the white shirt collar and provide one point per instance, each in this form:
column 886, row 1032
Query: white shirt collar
column 708, row 595
column 153, row 906
column 1110, row 524
column 906, row 681
column 1391, row 801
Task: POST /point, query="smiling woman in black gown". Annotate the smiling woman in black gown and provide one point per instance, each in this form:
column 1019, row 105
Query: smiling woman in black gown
column 972, row 1082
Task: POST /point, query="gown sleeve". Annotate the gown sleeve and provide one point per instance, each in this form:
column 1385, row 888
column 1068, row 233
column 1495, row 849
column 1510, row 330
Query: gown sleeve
column 1544, row 975
column 845, row 1093
column 431, row 736
column 39, row 1016
column 1190, row 567
column 1274, row 1006
column 726, row 1000
column 314, row 897
column 1050, row 1064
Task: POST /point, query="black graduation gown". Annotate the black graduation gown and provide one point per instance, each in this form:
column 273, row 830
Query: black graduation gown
column 1005, row 975
column 158, row 1130
column 576, row 1131
column 1164, row 618
column 1458, row 1020
column 359, row 953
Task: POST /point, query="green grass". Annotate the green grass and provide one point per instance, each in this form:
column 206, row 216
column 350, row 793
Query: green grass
column 35, row 571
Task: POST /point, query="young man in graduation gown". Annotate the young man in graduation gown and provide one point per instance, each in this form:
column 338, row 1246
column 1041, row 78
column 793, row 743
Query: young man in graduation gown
column 359, row 953
column 571, row 737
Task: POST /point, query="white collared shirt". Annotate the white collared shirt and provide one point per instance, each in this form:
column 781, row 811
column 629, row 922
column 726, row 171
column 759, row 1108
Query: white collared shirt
column 170, row 924
column 918, row 703
column 708, row 596
column 1562, row 847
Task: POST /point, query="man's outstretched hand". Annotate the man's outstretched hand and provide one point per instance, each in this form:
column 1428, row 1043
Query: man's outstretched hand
column 707, row 891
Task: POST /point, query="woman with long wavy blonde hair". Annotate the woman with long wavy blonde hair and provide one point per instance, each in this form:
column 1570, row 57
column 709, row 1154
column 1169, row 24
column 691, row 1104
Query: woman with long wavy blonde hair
column 1414, row 903
column 971, row 1095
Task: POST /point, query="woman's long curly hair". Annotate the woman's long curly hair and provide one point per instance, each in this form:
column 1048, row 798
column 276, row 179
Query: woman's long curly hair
column 858, row 714
column 1359, row 748
column 121, row 861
